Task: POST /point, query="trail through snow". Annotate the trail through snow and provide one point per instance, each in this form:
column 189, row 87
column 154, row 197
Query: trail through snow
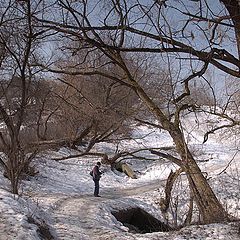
column 77, row 217
column 61, row 195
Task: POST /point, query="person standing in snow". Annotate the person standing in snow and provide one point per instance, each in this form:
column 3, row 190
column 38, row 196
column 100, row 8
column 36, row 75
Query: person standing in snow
column 96, row 174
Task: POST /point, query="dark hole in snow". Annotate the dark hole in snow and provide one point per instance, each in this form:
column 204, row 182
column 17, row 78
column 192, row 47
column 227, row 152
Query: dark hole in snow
column 139, row 221
column 43, row 229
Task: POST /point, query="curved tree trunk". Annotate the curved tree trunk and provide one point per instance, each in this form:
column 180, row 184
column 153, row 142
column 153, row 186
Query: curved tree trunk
column 209, row 206
column 165, row 202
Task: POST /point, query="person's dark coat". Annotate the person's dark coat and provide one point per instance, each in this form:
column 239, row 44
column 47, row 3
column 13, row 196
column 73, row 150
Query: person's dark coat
column 96, row 173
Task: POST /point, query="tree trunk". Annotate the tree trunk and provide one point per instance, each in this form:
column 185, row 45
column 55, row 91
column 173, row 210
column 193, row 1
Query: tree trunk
column 12, row 172
column 14, row 163
column 165, row 202
column 233, row 7
column 209, row 206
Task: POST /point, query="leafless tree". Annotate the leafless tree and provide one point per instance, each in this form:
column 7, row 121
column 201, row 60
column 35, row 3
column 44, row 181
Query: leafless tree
column 19, row 42
column 93, row 109
column 191, row 36
column 36, row 111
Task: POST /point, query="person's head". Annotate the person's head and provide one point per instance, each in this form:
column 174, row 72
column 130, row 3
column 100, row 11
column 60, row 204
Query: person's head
column 99, row 164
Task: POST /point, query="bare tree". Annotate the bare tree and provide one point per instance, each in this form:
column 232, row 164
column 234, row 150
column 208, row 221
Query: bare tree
column 34, row 111
column 19, row 41
column 95, row 108
column 121, row 31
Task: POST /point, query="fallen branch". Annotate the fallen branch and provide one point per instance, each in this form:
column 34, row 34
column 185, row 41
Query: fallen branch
column 103, row 155
column 113, row 159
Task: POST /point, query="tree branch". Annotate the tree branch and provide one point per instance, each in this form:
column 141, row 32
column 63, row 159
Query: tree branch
column 168, row 156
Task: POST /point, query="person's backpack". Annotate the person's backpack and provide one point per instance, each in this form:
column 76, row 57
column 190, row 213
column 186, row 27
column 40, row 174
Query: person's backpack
column 91, row 173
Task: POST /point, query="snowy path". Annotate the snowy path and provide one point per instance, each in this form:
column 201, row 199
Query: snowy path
column 77, row 217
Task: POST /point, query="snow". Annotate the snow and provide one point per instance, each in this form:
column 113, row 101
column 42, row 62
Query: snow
column 60, row 200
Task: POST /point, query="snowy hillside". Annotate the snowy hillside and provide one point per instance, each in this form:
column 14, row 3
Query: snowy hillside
column 58, row 202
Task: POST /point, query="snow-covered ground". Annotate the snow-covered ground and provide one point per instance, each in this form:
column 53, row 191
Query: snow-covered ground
column 58, row 202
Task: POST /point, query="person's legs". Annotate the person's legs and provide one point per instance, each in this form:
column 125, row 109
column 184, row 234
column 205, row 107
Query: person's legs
column 96, row 189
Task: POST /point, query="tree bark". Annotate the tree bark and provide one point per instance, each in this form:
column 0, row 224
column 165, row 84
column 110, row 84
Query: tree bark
column 233, row 7
column 209, row 206
column 165, row 202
